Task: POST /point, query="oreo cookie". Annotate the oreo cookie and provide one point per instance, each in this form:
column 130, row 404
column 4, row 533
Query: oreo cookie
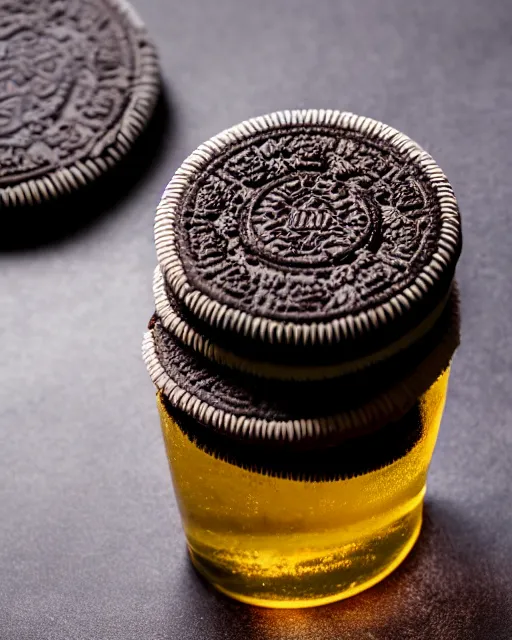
column 304, row 294
column 78, row 82
column 307, row 413
column 309, row 230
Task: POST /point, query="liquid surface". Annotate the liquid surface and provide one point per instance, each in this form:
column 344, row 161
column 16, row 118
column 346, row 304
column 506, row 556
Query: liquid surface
column 288, row 543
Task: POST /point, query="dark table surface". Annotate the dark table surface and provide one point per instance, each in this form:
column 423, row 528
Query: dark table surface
column 90, row 538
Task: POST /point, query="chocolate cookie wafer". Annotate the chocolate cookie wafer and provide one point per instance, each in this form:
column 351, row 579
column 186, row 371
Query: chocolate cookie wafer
column 78, row 83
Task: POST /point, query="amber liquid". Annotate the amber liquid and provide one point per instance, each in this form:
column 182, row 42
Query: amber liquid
column 279, row 542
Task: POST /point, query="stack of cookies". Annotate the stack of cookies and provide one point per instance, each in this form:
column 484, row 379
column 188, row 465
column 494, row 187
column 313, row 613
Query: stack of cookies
column 304, row 294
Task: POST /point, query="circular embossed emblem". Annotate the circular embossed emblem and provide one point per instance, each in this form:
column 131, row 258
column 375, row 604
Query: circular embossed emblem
column 309, row 220
column 77, row 82
column 307, row 223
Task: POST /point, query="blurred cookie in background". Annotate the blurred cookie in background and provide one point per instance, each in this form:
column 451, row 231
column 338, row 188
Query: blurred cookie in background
column 79, row 81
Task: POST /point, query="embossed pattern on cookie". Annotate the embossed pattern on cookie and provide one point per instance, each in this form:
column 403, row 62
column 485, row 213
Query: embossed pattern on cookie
column 78, row 83
column 308, row 227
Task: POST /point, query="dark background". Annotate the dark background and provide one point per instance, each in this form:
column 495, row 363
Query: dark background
column 90, row 538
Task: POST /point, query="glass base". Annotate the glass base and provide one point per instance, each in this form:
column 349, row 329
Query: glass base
column 306, row 579
column 287, row 542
